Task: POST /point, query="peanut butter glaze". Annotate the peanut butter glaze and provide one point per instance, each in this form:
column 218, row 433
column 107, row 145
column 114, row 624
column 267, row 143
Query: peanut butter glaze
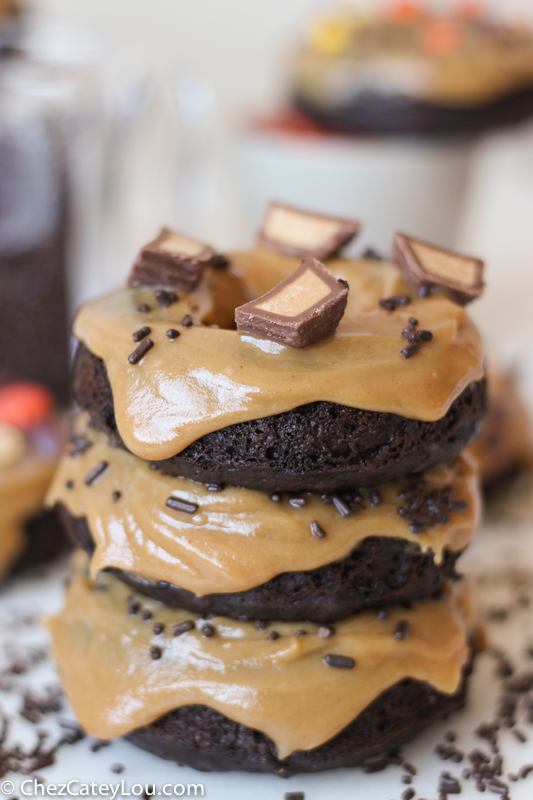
column 22, row 490
column 238, row 538
column 282, row 688
column 211, row 377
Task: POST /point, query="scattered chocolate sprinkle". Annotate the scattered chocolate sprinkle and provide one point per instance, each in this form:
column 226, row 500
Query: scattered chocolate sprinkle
column 341, row 506
column 519, row 735
column 327, row 499
column 448, row 784
column 144, row 308
column 146, row 615
column 141, row 334
column 402, row 629
column 140, row 352
column 407, row 779
column 183, row 627
column 375, row 498
column 276, row 497
column 116, row 496
column 165, row 298
column 392, row 303
column 341, row 662
column 272, row 636
column 95, row 473
column 326, row 631
column 156, row 652
column 181, row 505
column 318, row 531
column 408, row 794
column 208, row 630
column 410, row 349
column 301, row 632
column 413, row 321
column 117, row 768
column 294, row 796
column 297, row 502
column 261, row 625
column 425, row 336
column 134, row 608
column 450, row 736
column 187, row 321
column 69, row 484
column 371, row 255
column 172, row 334
column 382, row 614
column 80, row 445
column 525, row 770
column 158, row 627
column 99, row 744
column 215, row 487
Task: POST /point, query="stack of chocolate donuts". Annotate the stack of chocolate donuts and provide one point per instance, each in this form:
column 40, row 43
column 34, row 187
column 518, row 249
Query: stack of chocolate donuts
column 267, row 488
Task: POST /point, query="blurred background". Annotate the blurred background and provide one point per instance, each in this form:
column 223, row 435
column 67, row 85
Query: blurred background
column 163, row 108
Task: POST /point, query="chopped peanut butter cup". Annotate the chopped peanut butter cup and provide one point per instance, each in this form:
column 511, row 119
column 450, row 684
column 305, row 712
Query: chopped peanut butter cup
column 425, row 267
column 172, row 260
column 300, row 311
column 298, row 233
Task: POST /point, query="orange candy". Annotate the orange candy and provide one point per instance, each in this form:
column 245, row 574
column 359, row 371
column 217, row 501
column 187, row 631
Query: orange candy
column 440, row 37
column 405, row 11
column 25, row 405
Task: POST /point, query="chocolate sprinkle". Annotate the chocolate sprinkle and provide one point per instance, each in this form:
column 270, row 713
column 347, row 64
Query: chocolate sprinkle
column 116, row 496
column 276, row 497
column 141, row 334
column 341, row 506
column 117, row 768
column 183, row 627
column 402, row 629
column 425, row 336
column 326, row 631
column 272, row 636
column 318, row 531
column 341, row 662
column 410, row 349
column 172, row 334
column 80, row 445
column 297, row 502
column 156, row 652
column 158, row 627
column 181, row 505
column 294, row 796
column 96, row 472
column 140, row 352
column 69, row 484
column 187, row 321
column 208, row 630
column 375, row 498
column 165, row 298
column 143, row 308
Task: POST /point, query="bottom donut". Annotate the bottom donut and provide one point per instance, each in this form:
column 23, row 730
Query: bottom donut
column 219, row 694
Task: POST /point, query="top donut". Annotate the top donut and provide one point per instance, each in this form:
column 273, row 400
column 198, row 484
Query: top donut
column 409, row 69
column 343, row 372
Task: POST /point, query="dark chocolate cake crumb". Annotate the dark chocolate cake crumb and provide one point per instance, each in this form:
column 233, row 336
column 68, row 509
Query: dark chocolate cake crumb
column 172, row 334
column 140, row 352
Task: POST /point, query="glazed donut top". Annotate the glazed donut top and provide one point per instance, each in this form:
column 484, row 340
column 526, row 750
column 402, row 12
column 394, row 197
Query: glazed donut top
column 211, row 376
column 460, row 59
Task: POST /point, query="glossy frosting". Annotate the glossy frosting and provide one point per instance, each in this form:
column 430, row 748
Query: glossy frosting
column 22, row 490
column 282, row 687
column 211, row 377
column 238, row 538
column 441, row 60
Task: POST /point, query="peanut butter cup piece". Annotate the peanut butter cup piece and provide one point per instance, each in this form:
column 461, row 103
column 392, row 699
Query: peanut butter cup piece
column 172, row 260
column 425, row 267
column 294, row 232
column 300, row 311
